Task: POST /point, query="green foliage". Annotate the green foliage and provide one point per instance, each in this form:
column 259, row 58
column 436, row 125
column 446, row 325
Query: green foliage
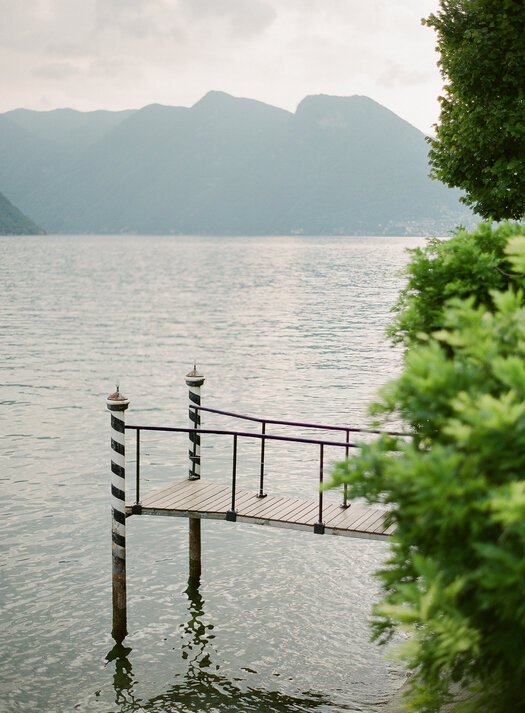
column 455, row 576
column 479, row 143
column 469, row 264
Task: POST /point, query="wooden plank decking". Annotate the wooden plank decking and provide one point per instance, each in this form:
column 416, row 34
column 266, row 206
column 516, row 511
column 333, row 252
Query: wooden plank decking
column 201, row 499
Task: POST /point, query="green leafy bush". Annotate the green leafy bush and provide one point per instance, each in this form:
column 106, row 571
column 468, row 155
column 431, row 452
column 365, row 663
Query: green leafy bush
column 466, row 265
column 455, row 577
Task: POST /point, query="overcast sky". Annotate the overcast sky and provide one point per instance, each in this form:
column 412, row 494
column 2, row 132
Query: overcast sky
column 123, row 54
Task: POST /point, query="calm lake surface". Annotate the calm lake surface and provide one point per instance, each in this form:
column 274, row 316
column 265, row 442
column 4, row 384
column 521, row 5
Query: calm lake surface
column 288, row 328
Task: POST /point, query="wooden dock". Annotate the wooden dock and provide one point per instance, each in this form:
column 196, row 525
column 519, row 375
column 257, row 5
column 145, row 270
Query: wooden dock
column 199, row 499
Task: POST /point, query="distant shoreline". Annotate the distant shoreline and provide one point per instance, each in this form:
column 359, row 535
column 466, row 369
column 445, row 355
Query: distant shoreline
column 218, row 236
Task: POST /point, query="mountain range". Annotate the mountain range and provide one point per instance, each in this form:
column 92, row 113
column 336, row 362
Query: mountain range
column 225, row 166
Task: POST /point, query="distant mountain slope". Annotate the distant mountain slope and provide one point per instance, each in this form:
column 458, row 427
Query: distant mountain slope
column 339, row 165
column 67, row 127
column 14, row 222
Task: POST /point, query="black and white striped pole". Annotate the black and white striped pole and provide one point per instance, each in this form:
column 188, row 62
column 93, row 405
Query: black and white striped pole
column 194, row 380
column 117, row 405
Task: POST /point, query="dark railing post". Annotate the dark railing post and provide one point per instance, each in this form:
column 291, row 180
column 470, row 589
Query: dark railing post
column 136, row 508
column 117, row 404
column 261, row 493
column 231, row 515
column 345, row 485
column 319, row 525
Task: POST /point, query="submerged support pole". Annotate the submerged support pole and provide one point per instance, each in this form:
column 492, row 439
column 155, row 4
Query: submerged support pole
column 117, row 405
column 195, row 550
column 194, row 380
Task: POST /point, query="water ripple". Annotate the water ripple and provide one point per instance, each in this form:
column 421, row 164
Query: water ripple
column 289, row 328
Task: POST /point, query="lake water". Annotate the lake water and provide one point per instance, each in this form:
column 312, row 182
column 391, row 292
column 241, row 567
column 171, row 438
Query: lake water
column 288, row 328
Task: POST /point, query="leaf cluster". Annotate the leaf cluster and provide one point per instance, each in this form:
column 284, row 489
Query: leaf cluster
column 479, row 143
column 455, row 577
column 466, row 265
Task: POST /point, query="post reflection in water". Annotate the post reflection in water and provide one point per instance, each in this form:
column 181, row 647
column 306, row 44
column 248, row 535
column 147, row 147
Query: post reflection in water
column 123, row 679
column 201, row 687
column 195, row 636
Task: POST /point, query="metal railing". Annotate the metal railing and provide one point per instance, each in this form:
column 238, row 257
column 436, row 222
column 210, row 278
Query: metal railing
column 258, row 419
column 297, row 424
column 263, row 437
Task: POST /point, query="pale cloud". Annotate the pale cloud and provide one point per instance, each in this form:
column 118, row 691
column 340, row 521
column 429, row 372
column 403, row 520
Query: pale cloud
column 67, row 49
column 397, row 75
column 244, row 19
column 137, row 19
column 57, row 70
column 119, row 54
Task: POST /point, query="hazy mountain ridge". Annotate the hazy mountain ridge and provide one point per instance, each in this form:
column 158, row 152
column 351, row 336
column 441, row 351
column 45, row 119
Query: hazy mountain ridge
column 68, row 127
column 14, row 222
column 339, row 165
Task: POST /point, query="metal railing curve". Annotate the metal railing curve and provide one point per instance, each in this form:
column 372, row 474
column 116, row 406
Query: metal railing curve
column 259, row 419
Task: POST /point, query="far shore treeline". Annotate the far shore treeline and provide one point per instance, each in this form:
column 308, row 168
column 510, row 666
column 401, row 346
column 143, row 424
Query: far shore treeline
column 226, row 166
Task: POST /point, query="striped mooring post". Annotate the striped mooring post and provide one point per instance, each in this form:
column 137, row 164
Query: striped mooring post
column 117, row 405
column 194, row 380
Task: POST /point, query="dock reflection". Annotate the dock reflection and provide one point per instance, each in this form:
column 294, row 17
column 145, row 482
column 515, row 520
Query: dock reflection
column 201, row 688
